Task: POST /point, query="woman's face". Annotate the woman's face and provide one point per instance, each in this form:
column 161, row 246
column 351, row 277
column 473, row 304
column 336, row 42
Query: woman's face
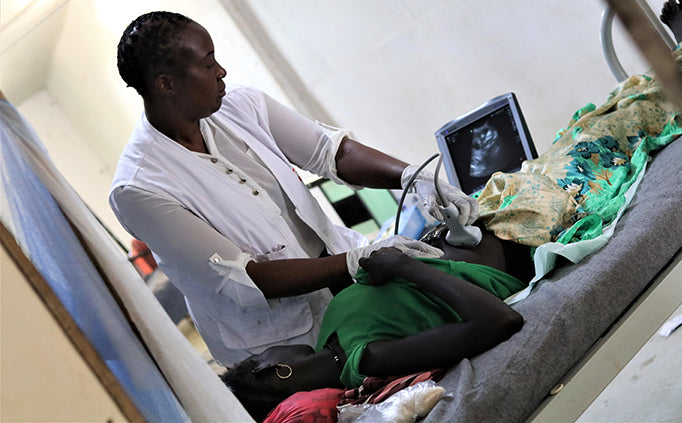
column 198, row 85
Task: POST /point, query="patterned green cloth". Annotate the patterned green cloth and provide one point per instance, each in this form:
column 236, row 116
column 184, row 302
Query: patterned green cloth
column 573, row 190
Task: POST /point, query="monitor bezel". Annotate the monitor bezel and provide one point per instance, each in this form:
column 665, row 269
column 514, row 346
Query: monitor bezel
column 491, row 106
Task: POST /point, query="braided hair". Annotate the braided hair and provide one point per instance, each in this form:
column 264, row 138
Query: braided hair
column 148, row 46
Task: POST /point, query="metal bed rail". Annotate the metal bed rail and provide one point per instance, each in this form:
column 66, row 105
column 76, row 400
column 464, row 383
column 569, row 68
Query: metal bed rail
column 606, row 36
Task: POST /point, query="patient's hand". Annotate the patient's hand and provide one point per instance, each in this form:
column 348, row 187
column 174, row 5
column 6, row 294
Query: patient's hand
column 384, row 265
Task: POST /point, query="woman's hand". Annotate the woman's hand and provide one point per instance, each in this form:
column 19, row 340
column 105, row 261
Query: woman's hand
column 410, row 247
column 384, row 264
column 425, row 188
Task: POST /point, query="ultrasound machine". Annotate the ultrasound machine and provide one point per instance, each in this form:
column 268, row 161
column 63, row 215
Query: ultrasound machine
column 491, row 138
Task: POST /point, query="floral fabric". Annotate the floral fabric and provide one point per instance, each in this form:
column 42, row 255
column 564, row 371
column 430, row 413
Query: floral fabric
column 576, row 188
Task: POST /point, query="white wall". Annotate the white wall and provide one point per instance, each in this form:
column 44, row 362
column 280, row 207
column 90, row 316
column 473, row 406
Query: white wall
column 73, row 155
column 84, row 78
column 70, row 91
column 28, row 34
column 395, row 71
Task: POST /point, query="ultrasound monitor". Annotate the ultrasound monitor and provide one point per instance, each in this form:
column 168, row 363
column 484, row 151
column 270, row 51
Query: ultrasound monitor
column 491, row 138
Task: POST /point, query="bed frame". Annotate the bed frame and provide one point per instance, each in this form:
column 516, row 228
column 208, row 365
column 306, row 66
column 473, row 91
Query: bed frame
column 585, row 321
column 581, row 386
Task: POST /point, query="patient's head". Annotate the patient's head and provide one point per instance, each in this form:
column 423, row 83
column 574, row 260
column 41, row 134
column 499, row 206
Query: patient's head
column 256, row 395
column 148, row 46
column 264, row 380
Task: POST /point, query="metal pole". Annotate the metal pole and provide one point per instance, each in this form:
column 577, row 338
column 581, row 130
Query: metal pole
column 652, row 46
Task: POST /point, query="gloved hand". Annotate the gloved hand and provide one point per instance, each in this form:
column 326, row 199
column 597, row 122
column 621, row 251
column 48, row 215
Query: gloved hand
column 410, row 247
column 425, row 189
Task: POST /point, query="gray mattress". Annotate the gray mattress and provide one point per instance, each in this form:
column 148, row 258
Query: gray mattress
column 572, row 308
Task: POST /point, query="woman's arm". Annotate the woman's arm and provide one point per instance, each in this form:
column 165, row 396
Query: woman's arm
column 486, row 321
column 356, row 164
column 179, row 237
column 307, row 145
column 360, row 165
column 287, row 277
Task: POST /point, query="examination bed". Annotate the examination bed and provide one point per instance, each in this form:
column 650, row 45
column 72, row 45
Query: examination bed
column 572, row 308
column 584, row 321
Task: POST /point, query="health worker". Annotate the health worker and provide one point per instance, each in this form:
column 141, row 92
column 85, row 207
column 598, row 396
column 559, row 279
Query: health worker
column 207, row 180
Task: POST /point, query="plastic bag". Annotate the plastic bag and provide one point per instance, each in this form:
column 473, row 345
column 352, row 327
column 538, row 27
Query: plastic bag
column 406, row 406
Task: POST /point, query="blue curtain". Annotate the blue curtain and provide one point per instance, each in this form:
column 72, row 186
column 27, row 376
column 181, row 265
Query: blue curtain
column 32, row 215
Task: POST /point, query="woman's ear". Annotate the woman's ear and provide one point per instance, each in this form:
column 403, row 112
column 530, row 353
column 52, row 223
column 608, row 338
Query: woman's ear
column 263, row 366
column 163, row 84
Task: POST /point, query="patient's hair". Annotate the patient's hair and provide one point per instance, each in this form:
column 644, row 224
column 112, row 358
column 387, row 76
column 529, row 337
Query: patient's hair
column 257, row 397
column 147, row 46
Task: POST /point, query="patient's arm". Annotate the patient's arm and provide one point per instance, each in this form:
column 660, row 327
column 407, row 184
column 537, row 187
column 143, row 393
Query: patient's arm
column 487, row 321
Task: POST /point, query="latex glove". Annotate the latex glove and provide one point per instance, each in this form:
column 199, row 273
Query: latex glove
column 410, row 247
column 425, row 189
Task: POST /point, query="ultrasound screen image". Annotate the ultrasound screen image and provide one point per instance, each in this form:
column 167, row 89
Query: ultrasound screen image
column 486, row 146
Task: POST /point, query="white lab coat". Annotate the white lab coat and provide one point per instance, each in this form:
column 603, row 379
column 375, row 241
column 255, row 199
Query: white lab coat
column 233, row 316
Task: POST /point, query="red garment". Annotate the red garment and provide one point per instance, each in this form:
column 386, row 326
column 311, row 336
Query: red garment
column 318, row 406
column 142, row 258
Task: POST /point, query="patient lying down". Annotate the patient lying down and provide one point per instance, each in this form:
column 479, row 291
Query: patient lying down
column 403, row 316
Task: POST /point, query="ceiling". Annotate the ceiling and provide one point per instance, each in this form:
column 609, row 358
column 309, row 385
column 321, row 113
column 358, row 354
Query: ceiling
column 29, row 30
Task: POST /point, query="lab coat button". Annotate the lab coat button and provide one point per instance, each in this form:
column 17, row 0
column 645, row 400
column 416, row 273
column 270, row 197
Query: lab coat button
column 228, row 171
column 254, row 192
column 242, row 181
column 214, row 160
